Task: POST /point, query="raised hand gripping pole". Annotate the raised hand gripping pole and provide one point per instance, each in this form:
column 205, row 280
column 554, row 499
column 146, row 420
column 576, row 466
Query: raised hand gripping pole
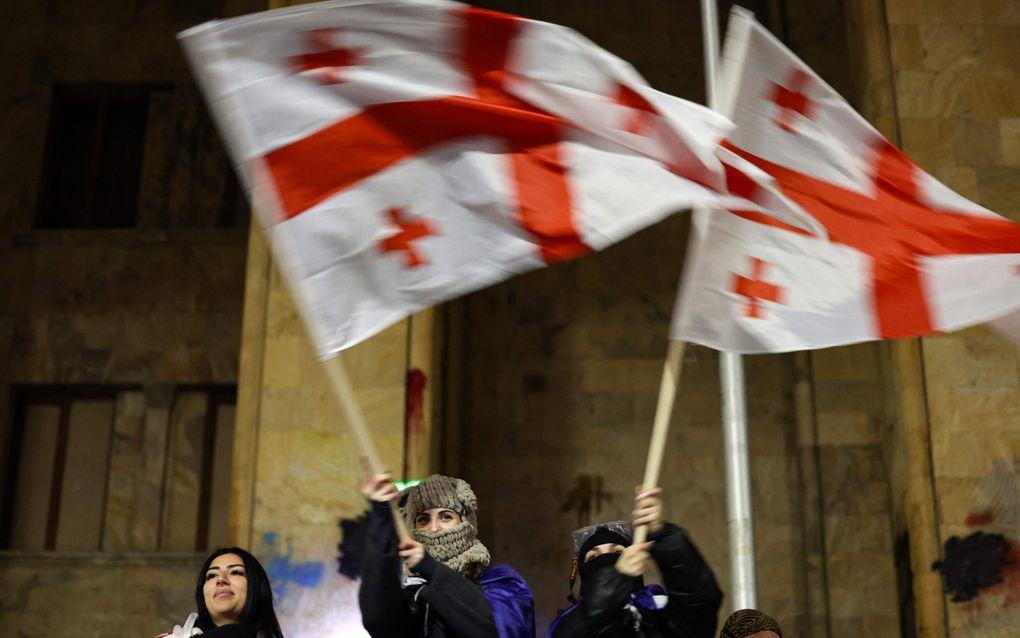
column 663, row 411
column 344, row 393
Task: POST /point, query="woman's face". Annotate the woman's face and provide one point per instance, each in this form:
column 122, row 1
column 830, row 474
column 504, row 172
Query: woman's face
column 436, row 519
column 604, row 548
column 225, row 589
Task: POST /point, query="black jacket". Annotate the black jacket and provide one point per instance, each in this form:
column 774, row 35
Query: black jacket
column 694, row 597
column 451, row 605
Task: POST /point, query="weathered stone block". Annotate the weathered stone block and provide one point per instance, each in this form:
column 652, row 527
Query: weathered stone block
column 846, row 428
column 1000, row 46
column 906, row 11
column 905, row 46
column 162, row 587
column 927, row 140
column 956, row 498
column 961, row 179
column 998, row 185
column 976, row 141
column 1009, row 132
column 621, row 375
column 955, row 45
column 989, row 93
column 848, row 363
column 855, row 534
column 974, row 358
column 971, row 452
column 872, row 591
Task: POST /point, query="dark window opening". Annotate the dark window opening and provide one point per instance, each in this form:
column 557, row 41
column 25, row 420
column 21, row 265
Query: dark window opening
column 93, row 160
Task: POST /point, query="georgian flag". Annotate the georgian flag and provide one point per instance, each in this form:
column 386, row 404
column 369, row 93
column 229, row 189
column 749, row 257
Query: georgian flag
column 401, row 153
column 859, row 243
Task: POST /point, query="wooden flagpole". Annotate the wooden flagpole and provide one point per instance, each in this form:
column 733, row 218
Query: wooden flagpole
column 344, row 394
column 671, row 371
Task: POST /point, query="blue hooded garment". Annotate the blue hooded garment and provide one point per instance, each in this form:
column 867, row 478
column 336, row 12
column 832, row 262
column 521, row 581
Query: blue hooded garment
column 644, row 598
column 513, row 606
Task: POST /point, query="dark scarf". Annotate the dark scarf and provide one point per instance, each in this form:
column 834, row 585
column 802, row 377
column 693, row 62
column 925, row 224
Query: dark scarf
column 597, row 564
column 233, row 630
column 588, row 569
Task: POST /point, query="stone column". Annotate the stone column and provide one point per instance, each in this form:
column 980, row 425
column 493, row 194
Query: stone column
column 941, row 79
column 297, row 469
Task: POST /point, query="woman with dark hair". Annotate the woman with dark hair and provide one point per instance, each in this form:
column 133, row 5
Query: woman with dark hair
column 233, row 597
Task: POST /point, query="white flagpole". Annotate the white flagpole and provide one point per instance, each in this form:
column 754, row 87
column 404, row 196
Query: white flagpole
column 734, row 410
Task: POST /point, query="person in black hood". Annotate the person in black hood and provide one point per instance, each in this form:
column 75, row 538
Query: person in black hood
column 614, row 600
column 233, row 597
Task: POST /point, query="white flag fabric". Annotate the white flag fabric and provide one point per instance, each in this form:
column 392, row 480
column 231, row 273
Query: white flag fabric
column 859, row 243
column 401, row 153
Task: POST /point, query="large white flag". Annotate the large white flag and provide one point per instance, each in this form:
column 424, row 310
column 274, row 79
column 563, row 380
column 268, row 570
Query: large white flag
column 401, row 153
column 865, row 245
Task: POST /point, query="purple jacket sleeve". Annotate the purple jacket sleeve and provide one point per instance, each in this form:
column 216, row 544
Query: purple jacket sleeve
column 513, row 607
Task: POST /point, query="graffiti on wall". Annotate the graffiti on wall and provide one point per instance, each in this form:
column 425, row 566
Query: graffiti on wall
column 352, row 538
column 586, row 498
column 286, row 574
column 981, row 570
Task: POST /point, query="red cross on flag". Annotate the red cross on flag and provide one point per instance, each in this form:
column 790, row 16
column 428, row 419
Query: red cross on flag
column 858, row 243
column 401, row 153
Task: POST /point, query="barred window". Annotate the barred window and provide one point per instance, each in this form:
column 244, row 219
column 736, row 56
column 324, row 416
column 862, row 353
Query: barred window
column 118, row 468
column 94, row 148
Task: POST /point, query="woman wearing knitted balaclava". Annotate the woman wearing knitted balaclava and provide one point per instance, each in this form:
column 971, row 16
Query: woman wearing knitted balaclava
column 446, row 586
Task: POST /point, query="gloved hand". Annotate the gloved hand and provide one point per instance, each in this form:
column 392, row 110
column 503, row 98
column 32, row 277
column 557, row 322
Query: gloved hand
column 188, row 630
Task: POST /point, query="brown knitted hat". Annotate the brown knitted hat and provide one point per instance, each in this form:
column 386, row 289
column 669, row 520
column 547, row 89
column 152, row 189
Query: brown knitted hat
column 747, row 622
column 441, row 491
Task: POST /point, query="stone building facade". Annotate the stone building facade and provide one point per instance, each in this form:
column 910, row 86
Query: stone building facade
column 122, row 255
column 869, row 463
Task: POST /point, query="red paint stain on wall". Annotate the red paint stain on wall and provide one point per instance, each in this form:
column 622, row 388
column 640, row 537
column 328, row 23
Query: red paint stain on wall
column 977, row 519
column 414, row 410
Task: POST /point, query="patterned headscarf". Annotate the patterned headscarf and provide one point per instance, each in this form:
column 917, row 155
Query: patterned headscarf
column 747, row 622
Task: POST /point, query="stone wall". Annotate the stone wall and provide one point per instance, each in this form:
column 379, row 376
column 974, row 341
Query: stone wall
column 858, row 584
column 298, row 467
column 939, row 78
column 150, row 308
column 120, row 310
column 95, row 594
column 957, row 84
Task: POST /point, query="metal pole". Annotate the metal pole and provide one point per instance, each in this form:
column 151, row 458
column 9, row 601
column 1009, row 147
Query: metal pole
column 710, row 42
column 734, row 410
column 738, row 482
